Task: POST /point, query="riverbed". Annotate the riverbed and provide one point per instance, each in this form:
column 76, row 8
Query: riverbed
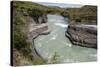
column 57, row 43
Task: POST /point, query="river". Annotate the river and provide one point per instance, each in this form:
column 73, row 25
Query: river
column 57, row 43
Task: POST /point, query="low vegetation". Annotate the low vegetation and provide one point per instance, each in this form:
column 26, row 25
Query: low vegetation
column 86, row 14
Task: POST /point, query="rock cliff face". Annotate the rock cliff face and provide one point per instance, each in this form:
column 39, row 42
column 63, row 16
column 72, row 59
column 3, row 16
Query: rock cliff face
column 35, row 29
column 83, row 35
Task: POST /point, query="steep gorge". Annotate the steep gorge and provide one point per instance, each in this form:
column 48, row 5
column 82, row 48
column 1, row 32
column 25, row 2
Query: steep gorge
column 30, row 21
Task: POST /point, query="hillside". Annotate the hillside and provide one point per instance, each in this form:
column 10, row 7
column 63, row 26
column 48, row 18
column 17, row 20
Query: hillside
column 86, row 14
column 26, row 15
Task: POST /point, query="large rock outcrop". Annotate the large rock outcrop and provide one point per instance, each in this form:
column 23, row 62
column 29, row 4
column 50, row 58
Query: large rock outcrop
column 83, row 35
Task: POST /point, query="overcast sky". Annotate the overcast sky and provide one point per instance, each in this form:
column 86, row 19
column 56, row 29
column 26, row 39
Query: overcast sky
column 61, row 5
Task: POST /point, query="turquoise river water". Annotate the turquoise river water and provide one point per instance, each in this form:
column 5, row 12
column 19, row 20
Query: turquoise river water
column 57, row 42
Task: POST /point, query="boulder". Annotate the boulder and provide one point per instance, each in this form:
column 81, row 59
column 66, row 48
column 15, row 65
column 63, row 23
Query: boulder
column 82, row 35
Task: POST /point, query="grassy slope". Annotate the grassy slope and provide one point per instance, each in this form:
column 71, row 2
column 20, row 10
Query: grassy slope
column 86, row 14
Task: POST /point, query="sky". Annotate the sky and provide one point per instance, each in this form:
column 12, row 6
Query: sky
column 63, row 5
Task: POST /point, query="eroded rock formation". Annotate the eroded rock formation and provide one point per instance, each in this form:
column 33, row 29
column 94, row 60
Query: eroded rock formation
column 83, row 35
